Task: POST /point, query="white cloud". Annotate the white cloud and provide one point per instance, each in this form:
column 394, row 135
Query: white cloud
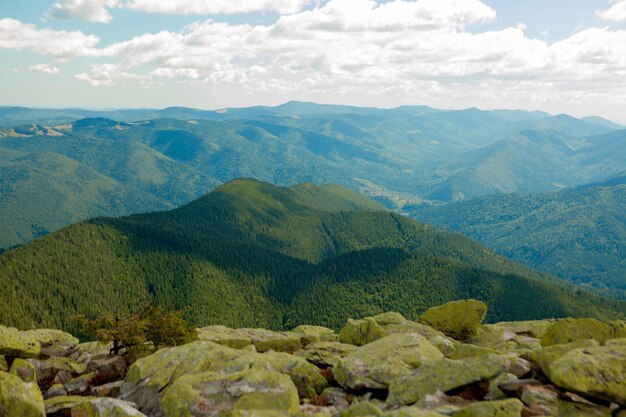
column 58, row 43
column 44, row 69
column 209, row 7
column 616, row 13
column 90, row 10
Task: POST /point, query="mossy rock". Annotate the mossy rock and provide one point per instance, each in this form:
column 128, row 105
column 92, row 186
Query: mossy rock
column 325, row 354
column 530, row 328
column 49, row 337
column 411, row 412
column 570, row 330
column 442, row 342
column 263, row 340
column 596, row 372
column 543, row 358
column 304, row 375
column 216, row 394
column 362, row 409
column 445, row 375
column 457, row 319
column 503, row 340
column 619, row 328
column 16, row 343
column 90, row 407
column 511, row 407
column 311, row 334
column 376, row 364
column 19, row 398
column 361, row 332
column 26, row 371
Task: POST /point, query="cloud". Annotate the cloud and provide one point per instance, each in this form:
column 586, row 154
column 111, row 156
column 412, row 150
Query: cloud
column 57, row 43
column 44, row 69
column 88, row 10
column 616, row 13
column 210, row 7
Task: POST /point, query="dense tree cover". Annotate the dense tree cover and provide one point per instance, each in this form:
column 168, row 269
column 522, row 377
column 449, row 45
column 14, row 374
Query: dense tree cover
column 144, row 160
column 252, row 254
column 578, row 234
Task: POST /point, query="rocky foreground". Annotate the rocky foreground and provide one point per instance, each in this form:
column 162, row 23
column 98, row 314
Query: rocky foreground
column 446, row 364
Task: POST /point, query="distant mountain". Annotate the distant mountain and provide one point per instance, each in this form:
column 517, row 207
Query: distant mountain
column 252, row 254
column 402, row 156
column 576, row 233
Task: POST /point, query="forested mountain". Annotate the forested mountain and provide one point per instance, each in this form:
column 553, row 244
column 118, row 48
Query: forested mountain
column 142, row 160
column 577, row 233
column 253, row 254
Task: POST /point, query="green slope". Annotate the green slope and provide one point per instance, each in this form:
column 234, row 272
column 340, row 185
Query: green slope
column 578, row 234
column 252, row 254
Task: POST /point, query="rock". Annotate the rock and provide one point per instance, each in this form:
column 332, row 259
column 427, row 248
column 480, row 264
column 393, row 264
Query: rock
column 324, row 354
column 389, row 318
column 545, row 400
column 54, row 343
column 503, row 408
column 543, row 358
column 57, row 390
column 48, row 370
column 216, row 394
column 457, row 319
column 112, row 389
column 16, row 343
column 337, row 397
column 263, row 340
column 24, row 370
column 19, row 398
column 530, row 328
column 597, row 372
column 570, row 330
column 3, row 364
column 90, row 407
column 311, row 334
column 411, row 412
column 108, row 367
column 147, row 377
column 83, row 352
column 442, row 342
column 619, row 328
column 305, row 376
column 442, row 403
column 361, row 409
column 82, row 384
column 467, row 350
column 445, row 375
column 376, row 364
column 361, row 332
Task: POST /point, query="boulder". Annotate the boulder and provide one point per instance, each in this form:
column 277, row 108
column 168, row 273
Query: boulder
column 543, row 358
column 48, row 370
column 511, row 407
column 108, row 367
column 442, row 342
column 19, row 397
column 56, row 390
column 530, row 328
column 16, row 343
column 24, row 370
column 619, row 328
column 82, row 384
column 263, row 340
column 411, row 412
column 304, row 375
column 445, row 375
column 324, row 354
column 362, row 409
column 467, row 350
column 596, row 372
column 311, row 334
column 376, row 364
column 90, row 407
column 53, row 342
column 83, row 352
column 361, row 332
column 215, row 394
column 457, row 319
column 571, row 330
column 112, row 389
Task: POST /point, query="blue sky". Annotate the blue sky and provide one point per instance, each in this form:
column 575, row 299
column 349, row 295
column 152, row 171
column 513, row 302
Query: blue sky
column 559, row 55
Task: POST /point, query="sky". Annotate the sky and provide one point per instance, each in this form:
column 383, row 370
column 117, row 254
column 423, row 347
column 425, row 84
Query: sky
column 560, row 56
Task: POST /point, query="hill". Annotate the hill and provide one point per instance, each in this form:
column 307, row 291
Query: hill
column 253, row 254
column 576, row 233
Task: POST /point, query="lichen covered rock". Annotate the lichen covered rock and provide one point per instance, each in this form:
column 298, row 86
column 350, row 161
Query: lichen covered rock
column 376, row 364
column 19, row 397
column 263, row 340
column 311, row 334
column 457, row 319
column 597, row 371
column 324, row 354
column 445, row 375
column 511, row 407
column 16, row 343
column 215, row 394
column 571, row 330
column 90, row 407
column 361, row 332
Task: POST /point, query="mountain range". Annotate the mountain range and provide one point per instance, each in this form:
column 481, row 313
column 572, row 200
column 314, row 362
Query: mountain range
column 253, row 254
